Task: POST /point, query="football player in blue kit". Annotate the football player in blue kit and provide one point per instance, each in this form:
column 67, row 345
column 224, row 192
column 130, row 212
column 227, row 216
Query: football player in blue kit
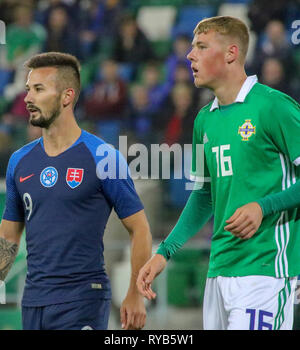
column 58, row 188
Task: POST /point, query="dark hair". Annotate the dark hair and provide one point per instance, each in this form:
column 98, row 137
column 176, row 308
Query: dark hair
column 68, row 68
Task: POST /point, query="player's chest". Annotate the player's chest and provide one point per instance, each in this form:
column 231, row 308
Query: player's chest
column 232, row 141
column 52, row 180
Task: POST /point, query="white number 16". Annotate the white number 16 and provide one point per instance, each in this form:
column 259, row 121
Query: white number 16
column 221, row 158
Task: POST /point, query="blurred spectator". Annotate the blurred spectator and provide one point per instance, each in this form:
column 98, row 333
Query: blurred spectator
column 91, row 24
column 6, row 148
column 131, row 46
column 107, row 97
column 24, row 38
column 181, row 47
column 45, row 8
column 18, row 113
column 140, row 114
column 7, row 8
column 275, row 44
column 261, row 12
column 157, row 90
column 178, row 129
column 105, row 103
column 61, row 35
column 180, row 117
column 112, row 10
column 273, row 75
column 98, row 25
column 182, row 75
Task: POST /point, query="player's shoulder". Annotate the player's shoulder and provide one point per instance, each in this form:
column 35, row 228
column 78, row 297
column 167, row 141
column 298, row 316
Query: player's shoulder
column 23, row 151
column 97, row 146
column 273, row 97
column 93, row 142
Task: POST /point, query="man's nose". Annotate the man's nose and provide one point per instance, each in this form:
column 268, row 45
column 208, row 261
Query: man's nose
column 28, row 98
column 190, row 55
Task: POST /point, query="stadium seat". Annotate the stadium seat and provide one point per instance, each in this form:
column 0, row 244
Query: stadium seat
column 135, row 4
column 238, row 1
column 239, row 10
column 6, row 77
column 156, row 21
column 189, row 16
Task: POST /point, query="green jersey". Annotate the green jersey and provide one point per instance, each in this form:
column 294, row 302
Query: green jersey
column 251, row 149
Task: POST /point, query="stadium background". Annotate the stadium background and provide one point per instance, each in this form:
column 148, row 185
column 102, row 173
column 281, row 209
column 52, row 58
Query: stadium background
column 136, row 81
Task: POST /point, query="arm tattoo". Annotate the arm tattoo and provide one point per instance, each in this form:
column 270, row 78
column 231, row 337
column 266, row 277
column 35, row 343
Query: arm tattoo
column 8, row 253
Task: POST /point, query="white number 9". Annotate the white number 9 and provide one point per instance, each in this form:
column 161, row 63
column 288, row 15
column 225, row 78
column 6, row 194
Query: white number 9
column 28, row 204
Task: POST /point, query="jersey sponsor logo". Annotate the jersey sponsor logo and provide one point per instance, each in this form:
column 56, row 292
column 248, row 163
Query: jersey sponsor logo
column 22, row 179
column 247, row 130
column 205, row 139
column 74, row 177
column 49, row 177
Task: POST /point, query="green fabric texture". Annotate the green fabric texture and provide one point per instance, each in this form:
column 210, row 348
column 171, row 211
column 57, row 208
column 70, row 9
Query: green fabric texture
column 197, row 211
column 276, row 202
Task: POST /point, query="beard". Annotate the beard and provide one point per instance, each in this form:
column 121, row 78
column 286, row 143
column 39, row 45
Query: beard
column 45, row 120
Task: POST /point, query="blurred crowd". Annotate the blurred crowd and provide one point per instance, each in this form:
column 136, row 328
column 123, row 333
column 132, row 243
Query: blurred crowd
column 131, row 84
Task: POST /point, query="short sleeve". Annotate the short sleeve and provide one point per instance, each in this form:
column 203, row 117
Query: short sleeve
column 284, row 126
column 118, row 186
column 13, row 207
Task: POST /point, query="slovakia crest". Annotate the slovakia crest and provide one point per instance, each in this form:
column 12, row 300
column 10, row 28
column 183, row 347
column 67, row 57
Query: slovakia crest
column 74, row 177
column 247, row 130
column 49, row 176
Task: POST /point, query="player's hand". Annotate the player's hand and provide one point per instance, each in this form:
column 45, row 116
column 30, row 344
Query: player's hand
column 245, row 221
column 147, row 273
column 133, row 311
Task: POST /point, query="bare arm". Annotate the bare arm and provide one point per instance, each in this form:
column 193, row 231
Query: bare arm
column 133, row 312
column 10, row 235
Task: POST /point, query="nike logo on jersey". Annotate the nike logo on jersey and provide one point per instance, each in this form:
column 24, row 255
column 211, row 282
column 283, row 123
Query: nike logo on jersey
column 22, row 179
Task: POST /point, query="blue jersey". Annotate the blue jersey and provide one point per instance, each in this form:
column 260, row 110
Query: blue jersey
column 65, row 202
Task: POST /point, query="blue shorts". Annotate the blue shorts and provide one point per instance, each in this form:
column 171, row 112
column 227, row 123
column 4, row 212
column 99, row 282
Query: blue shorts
column 77, row 315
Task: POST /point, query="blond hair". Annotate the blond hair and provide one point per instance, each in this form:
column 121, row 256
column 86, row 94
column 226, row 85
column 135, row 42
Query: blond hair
column 227, row 26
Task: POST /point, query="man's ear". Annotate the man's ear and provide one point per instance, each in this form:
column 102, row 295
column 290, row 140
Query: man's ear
column 68, row 96
column 232, row 53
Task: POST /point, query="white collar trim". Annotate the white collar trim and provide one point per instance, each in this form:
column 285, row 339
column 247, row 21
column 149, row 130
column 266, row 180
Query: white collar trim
column 245, row 89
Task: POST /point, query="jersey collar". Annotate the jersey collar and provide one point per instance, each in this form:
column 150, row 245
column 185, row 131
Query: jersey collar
column 245, row 89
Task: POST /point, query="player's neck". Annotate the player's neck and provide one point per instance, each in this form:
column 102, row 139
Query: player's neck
column 228, row 89
column 61, row 135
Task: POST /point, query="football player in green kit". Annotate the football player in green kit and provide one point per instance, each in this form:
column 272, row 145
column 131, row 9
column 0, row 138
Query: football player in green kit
column 249, row 182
